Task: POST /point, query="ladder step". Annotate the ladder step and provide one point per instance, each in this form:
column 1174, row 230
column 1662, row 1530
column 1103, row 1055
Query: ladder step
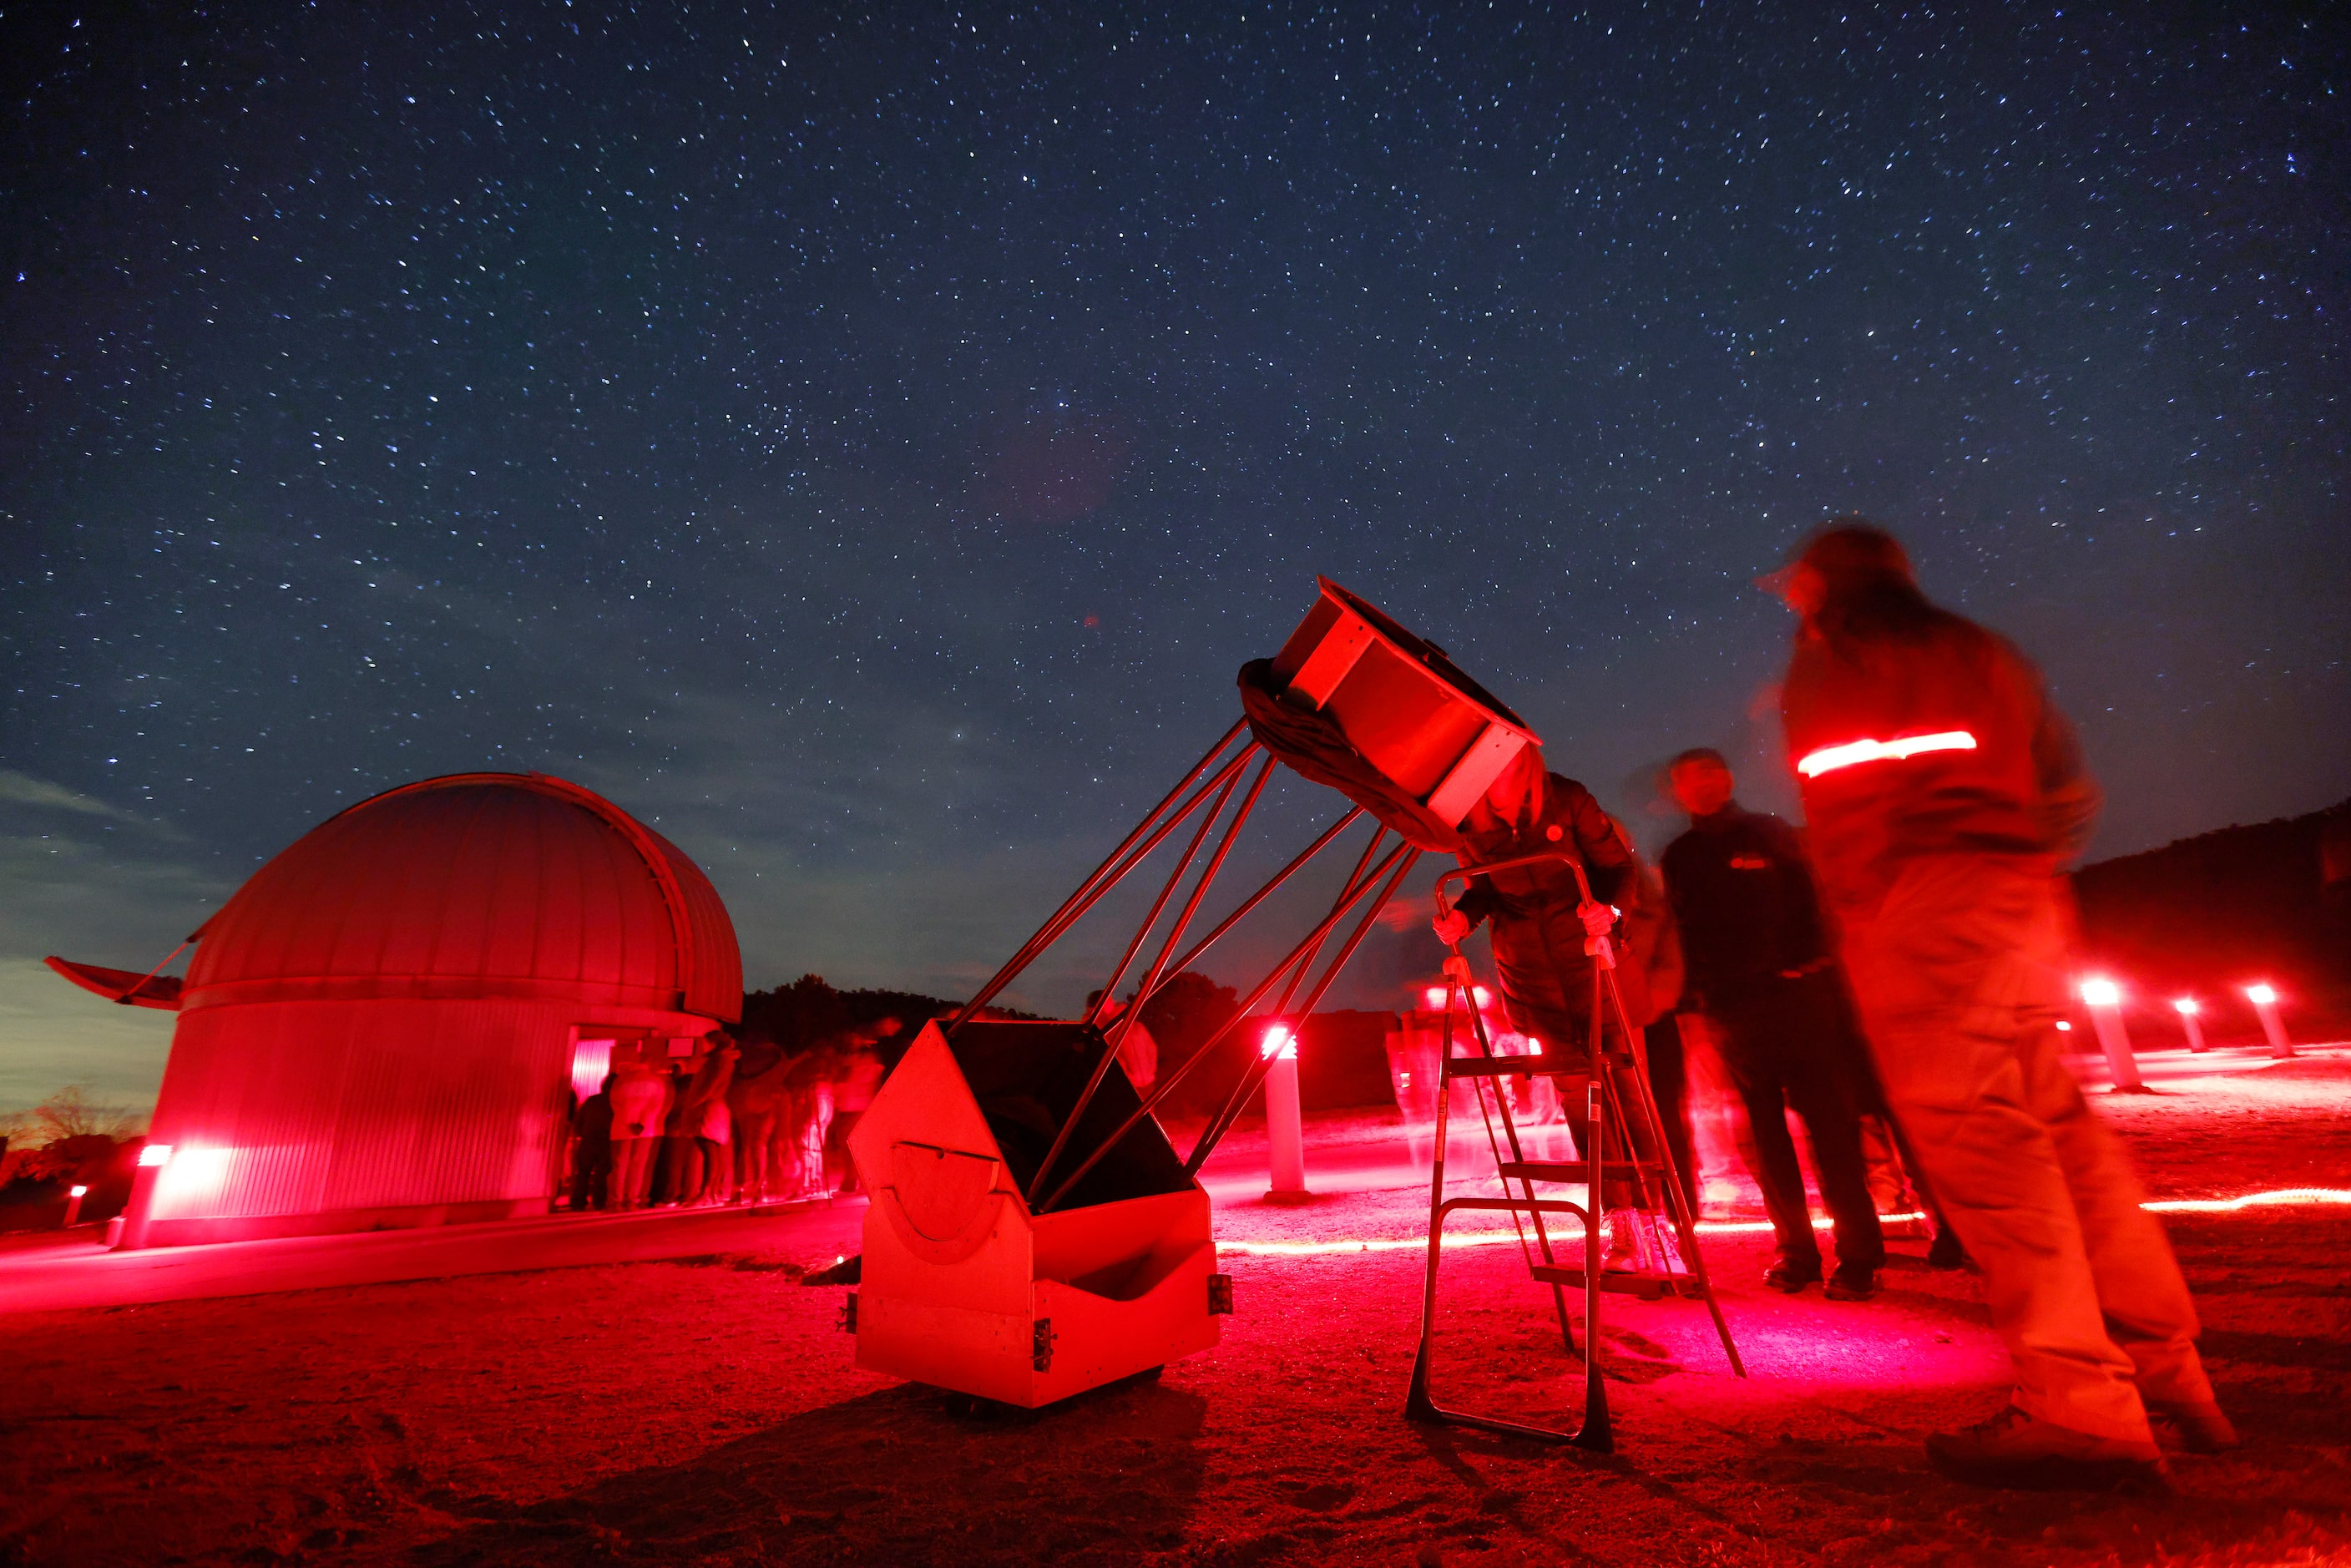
column 1575, row 1170
column 1545, row 1170
column 1512, row 1067
column 1645, row 1284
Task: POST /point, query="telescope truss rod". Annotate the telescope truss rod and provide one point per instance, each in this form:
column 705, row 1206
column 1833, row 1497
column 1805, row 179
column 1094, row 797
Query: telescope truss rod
column 1266, row 1064
column 1159, row 904
column 1110, row 1050
column 1262, row 893
column 1134, row 1015
column 1222, row 779
column 1167, row 1084
column 1091, row 890
column 1106, row 876
column 1247, row 1085
column 1254, row 1074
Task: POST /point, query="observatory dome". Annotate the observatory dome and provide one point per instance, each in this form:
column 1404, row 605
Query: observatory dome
column 476, row 885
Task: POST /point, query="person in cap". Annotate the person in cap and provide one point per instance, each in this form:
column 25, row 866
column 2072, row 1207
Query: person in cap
column 1758, row 964
column 1944, row 792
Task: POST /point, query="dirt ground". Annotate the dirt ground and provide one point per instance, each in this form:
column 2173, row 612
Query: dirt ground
column 706, row 1411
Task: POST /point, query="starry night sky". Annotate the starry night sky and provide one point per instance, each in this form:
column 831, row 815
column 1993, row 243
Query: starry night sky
column 864, row 443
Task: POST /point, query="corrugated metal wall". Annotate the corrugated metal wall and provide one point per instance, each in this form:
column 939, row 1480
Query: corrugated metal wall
column 310, row 1107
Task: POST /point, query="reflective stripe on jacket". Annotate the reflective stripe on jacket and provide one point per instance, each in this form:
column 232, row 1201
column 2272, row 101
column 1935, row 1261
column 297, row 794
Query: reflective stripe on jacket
column 2021, row 789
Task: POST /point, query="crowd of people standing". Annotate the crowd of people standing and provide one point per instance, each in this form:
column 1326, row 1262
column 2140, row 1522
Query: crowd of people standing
column 749, row 1121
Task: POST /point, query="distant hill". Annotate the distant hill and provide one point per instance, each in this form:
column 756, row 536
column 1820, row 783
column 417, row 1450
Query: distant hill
column 2270, row 901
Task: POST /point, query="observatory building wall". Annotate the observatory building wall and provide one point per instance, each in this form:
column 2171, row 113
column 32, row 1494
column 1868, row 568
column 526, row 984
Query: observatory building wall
column 380, row 1028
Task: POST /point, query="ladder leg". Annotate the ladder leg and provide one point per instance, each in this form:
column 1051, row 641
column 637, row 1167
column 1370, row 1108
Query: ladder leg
column 1597, row 1434
column 1677, row 1197
column 1418, row 1405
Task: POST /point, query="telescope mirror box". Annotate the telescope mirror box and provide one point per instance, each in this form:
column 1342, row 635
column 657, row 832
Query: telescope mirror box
column 1427, row 726
column 963, row 1286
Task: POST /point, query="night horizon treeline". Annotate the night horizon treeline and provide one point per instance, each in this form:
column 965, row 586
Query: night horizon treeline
column 1182, row 1015
column 2206, row 915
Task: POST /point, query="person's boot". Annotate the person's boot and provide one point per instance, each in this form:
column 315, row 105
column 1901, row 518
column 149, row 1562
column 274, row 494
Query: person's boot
column 2198, row 1425
column 2019, row 1451
column 1790, row 1275
column 1624, row 1244
column 1850, row 1282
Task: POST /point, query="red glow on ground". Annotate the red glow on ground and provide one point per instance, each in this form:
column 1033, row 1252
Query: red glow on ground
column 2284, row 1197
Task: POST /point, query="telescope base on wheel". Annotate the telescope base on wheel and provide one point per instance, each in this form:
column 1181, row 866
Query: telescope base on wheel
column 963, row 1286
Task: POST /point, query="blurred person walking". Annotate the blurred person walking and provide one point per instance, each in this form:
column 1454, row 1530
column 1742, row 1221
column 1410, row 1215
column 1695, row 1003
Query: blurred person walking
column 711, row 1158
column 1757, row 961
column 861, row 1075
column 1945, row 793
column 758, row 1102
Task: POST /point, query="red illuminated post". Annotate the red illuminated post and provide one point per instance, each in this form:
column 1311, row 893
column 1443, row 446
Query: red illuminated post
column 2104, row 1000
column 1284, row 1123
column 2189, row 1009
column 2264, row 998
column 74, row 1195
column 152, row 1161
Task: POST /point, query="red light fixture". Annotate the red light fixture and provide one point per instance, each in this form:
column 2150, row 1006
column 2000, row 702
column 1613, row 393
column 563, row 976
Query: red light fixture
column 2106, row 1003
column 2188, row 1023
column 2265, row 998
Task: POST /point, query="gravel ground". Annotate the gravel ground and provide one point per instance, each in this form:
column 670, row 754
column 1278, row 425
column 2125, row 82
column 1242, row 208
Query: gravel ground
column 705, row 1410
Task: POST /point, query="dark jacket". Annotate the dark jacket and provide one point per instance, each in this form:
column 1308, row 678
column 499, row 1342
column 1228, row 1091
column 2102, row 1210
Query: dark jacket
column 2021, row 791
column 593, row 1123
column 1743, row 898
column 1536, row 937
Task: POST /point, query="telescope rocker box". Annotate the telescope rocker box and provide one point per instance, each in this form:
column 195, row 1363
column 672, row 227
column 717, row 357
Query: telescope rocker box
column 963, row 1286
